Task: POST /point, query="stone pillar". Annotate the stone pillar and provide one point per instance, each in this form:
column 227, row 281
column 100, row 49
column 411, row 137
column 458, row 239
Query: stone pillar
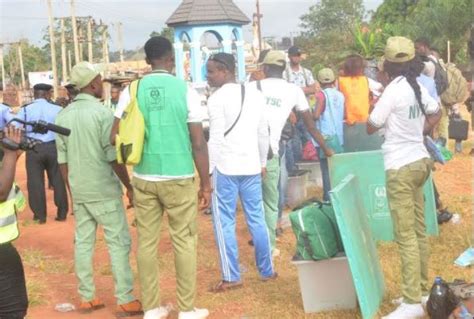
column 240, row 60
column 196, row 62
column 179, row 59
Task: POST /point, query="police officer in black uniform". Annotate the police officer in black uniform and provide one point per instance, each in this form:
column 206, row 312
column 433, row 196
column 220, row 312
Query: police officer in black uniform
column 44, row 157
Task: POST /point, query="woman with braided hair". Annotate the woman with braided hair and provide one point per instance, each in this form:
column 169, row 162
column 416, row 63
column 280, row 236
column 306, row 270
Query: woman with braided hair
column 407, row 112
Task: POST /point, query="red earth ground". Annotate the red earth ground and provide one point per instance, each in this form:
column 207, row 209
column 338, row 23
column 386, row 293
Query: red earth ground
column 52, row 280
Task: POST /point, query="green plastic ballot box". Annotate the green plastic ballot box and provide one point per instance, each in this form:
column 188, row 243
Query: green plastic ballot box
column 368, row 167
column 359, row 247
column 356, row 139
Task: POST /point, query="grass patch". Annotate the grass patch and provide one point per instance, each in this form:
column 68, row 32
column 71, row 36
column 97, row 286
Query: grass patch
column 37, row 259
column 27, row 222
column 35, row 288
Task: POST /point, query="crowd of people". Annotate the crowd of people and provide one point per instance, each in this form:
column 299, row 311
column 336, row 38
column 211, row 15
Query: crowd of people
column 257, row 132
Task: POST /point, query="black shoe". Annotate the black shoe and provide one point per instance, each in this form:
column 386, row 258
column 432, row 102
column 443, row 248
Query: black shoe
column 444, row 216
column 38, row 220
column 250, row 242
column 60, row 219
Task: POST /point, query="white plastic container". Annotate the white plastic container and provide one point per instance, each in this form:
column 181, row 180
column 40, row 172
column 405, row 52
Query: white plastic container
column 296, row 192
column 326, row 285
column 314, row 169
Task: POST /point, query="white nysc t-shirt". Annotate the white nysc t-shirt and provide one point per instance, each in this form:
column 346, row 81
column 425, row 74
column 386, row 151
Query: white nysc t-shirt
column 280, row 97
column 398, row 112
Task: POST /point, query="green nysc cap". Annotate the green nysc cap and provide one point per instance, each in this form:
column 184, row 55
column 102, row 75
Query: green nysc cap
column 83, row 73
column 326, row 75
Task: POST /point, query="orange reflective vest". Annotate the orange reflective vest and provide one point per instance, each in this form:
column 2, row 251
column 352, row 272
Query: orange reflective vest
column 356, row 94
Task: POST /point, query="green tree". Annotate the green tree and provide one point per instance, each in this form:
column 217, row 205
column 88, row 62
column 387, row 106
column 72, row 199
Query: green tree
column 165, row 32
column 331, row 15
column 394, row 11
column 437, row 20
column 327, row 38
column 34, row 59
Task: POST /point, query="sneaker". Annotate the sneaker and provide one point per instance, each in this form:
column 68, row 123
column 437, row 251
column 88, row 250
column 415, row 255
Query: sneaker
column 407, row 311
column 157, row 313
column 129, row 309
column 195, row 314
column 399, row 301
column 444, row 216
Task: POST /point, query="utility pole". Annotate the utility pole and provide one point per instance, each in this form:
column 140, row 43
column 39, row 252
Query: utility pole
column 120, row 40
column 80, row 36
column 449, row 51
column 259, row 16
column 63, row 52
column 105, row 47
column 53, row 50
column 74, row 34
column 3, row 67
column 20, row 56
column 89, row 40
column 69, row 63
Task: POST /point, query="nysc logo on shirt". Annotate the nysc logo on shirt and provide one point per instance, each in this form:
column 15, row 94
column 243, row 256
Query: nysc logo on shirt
column 415, row 112
column 155, row 98
column 273, row 101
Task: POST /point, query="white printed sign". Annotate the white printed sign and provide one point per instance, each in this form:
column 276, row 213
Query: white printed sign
column 45, row 77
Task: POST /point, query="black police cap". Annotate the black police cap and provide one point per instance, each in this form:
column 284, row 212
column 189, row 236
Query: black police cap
column 292, row 51
column 42, row 87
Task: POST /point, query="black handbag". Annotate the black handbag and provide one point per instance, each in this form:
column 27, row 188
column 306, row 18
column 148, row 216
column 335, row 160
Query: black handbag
column 458, row 129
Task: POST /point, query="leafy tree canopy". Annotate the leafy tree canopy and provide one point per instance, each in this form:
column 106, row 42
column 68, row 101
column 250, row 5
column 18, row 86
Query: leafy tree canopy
column 34, row 59
column 331, row 15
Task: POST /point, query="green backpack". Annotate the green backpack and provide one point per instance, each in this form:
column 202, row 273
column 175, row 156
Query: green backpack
column 316, row 231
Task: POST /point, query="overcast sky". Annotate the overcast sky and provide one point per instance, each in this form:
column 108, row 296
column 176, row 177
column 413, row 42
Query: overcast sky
column 27, row 18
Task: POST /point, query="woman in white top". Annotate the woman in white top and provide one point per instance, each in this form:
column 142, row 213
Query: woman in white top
column 407, row 112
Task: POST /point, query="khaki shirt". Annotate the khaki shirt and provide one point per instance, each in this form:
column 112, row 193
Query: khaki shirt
column 88, row 151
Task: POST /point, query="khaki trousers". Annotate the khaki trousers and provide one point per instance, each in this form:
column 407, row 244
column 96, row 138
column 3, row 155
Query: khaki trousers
column 405, row 195
column 179, row 199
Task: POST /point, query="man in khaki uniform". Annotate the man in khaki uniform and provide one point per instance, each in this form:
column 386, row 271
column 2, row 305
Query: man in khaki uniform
column 87, row 162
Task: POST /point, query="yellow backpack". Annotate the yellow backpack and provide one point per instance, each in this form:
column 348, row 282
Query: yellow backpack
column 130, row 139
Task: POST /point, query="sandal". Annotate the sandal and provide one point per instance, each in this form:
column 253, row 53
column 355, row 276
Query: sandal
column 223, row 286
column 89, row 306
